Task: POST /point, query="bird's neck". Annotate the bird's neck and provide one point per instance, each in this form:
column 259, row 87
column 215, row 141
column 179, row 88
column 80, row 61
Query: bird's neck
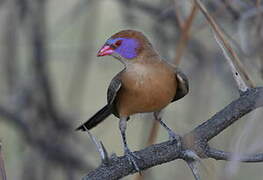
column 144, row 58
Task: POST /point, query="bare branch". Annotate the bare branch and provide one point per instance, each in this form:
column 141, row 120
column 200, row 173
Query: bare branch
column 196, row 140
column 241, row 76
column 151, row 156
column 242, row 86
column 185, row 31
column 247, row 102
column 223, row 155
column 178, row 18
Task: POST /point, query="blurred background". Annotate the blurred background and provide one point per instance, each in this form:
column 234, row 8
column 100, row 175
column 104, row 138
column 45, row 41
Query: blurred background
column 51, row 81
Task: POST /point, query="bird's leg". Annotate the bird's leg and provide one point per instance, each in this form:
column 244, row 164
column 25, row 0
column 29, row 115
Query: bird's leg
column 172, row 135
column 127, row 152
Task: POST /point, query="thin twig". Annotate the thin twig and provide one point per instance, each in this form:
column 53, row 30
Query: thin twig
column 185, row 31
column 223, row 155
column 244, row 82
column 240, row 83
column 177, row 16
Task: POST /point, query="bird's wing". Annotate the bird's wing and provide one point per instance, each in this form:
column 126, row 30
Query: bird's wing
column 113, row 89
column 182, row 84
column 108, row 109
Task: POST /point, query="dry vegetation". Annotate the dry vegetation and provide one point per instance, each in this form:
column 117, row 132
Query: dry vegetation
column 50, row 81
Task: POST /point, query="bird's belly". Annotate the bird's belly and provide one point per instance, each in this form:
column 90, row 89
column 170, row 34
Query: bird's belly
column 147, row 95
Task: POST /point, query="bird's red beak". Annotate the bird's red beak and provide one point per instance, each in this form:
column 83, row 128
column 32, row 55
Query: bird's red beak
column 105, row 50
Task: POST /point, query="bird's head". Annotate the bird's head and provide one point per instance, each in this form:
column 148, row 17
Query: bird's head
column 125, row 45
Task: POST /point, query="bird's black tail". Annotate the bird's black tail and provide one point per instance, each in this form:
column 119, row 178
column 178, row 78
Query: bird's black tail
column 96, row 118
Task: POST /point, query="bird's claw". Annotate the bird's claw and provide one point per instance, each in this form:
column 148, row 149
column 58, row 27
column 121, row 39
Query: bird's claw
column 174, row 137
column 131, row 157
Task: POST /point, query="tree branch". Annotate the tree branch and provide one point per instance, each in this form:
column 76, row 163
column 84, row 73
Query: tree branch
column 239, row 72
column 223, row 155
column 151, row 156
column 247, row 102
column 196, row 140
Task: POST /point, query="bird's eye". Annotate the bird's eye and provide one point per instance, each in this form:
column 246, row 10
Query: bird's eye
column 118, row 43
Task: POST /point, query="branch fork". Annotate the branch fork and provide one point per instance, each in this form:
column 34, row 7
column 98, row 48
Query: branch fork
column 195, row 143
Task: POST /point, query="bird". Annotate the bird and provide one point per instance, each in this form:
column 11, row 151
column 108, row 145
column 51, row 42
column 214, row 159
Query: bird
column 147, row 83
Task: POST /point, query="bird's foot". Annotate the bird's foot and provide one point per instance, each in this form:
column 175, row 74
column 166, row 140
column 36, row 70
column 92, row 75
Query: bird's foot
column 132, row 158
column 174, row 137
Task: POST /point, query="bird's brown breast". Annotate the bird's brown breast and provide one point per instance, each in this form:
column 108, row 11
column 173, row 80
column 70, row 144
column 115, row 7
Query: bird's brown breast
column 145, row 88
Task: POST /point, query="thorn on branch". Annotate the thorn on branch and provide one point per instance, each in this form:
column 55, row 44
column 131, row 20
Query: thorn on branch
column 192, row 161
column 166, row 151
column 100, row 148
column 194, row 168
